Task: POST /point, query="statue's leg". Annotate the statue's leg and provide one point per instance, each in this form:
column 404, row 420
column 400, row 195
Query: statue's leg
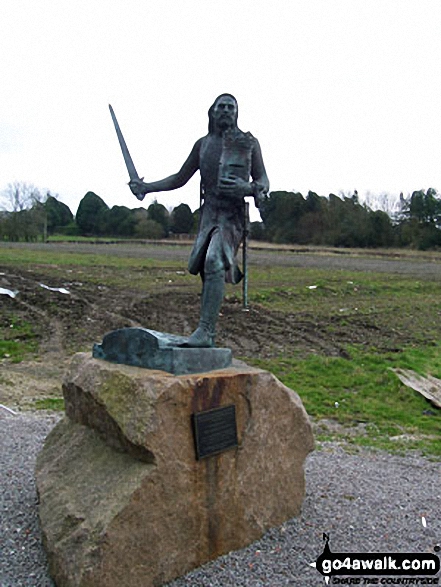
column 213, row 287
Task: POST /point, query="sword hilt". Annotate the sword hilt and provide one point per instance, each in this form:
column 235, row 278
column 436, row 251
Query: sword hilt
column 134, row 182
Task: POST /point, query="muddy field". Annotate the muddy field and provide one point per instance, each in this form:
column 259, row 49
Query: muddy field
column 72, row 319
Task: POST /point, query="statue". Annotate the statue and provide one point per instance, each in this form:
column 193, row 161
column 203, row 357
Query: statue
column 226, row 158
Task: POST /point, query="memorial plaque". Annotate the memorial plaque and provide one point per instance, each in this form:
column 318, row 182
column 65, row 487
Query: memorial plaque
column 215, row 431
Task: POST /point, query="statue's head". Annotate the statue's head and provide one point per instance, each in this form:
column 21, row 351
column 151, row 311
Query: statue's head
column 223, row 113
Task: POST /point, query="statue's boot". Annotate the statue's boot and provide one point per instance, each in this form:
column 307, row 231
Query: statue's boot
column 212, row 296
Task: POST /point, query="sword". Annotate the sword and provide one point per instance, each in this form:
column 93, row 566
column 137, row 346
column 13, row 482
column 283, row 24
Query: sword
column 133, row 174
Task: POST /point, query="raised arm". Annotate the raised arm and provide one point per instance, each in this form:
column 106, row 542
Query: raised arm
column 173, row 182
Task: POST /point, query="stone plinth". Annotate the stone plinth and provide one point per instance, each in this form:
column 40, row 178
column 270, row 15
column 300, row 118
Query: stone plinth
column 123, row 500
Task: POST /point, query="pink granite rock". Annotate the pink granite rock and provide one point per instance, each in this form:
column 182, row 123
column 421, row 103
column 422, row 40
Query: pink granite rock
column 123, row 499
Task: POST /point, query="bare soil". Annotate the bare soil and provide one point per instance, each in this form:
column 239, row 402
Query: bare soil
column 67, row 323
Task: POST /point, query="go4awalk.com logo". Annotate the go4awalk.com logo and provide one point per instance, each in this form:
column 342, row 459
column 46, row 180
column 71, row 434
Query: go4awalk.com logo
column 377, row 568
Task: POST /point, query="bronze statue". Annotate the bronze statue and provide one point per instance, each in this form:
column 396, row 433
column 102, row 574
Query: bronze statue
column 226, row 158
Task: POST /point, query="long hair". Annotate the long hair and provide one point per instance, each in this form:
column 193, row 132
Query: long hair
column 211, row 127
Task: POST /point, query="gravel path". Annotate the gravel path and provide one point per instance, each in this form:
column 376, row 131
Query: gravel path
column 366, row 502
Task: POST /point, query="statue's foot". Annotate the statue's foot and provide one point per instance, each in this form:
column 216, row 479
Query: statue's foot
column 201, row 338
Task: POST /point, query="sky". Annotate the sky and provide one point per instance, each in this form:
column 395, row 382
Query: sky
column 342, row 95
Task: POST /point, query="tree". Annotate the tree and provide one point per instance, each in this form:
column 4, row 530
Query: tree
column 159, row 214
column 89, row 214
column 420, row 223
column 19, row 196
column 58, row 214
column 380, row 231
column 313, row 223
column 118, row 221
column 424, row 207
column 281, row 212
column 257, row 231
column 145, row 227
column 384, row 202
column 24, row 215
column 196, row 219
column 181, row 221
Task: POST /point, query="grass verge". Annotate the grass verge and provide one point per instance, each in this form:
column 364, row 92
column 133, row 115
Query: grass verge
column 359, row 394
column 367, row 402
column 18, row 339
column 55, row 404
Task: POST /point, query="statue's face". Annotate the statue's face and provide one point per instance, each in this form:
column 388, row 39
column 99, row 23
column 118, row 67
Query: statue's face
column 225, row 112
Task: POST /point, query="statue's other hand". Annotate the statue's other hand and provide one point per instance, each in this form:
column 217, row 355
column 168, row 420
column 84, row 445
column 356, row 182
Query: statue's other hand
column 259, row 193
column 138, row 188
column 234, row 186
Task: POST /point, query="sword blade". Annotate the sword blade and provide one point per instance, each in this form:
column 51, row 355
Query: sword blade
column 122, row 143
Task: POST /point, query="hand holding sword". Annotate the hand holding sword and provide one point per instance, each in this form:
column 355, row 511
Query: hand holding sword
column 138, row 188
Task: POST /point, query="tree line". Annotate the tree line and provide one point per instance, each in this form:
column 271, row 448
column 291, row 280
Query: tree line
column 287, row 217
column 29, row 215
column 344, row 222
column 94, row 217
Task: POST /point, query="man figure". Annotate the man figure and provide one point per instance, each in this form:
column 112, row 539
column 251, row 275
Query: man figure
column 226, row 158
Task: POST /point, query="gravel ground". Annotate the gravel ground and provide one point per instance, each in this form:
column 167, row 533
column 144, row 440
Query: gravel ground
column 366, row 502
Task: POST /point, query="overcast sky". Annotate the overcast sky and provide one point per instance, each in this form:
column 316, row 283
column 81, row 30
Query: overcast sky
column 342, row 94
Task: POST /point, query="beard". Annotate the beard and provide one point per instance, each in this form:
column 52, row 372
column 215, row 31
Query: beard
column 225, row 121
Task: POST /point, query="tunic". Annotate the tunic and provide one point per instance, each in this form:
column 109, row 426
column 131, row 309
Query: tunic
column 220, row 214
